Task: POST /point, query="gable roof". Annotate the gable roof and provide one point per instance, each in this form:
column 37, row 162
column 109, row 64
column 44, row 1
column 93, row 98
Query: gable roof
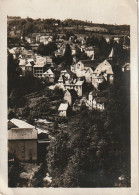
column 104, row 66
column 29, row 64
column 21, row 123
column 63, row 106
column 111, row 53
column 49, row 71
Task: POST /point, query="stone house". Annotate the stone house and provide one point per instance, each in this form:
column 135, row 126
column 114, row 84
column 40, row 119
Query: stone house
column 22, row 140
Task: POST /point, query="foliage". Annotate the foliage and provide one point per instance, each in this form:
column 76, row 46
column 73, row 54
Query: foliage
column 48, row 49
column 68, row 56
column 96, row 150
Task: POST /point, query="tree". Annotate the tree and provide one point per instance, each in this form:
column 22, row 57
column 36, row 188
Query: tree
column 47, row 49
column 68, row 56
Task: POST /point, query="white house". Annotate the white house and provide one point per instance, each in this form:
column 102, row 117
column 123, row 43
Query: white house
column 62, row 110
column 49, row 75
column 29, row 67
column 90, row 52
column 126, row 67
column 92, row 95
column 76, row 86
column 111, row 55
column 99, row 103
column 22, row 63
column 102, row 72
column 68, row 97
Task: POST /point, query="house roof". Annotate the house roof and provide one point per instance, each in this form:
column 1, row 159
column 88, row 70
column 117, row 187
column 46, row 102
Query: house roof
column 79, row 83
column 22, row 62
column 87, row 63
column 63, row 106
column 90, row 63
column 29, row 64
column 104, row 66
column 21, row 123
column 39, row 65
column 49, row 71
column 111, row 53
column 22, row 133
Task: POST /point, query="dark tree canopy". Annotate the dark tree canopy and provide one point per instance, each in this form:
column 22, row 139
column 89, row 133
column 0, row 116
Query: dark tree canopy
column 68, row 56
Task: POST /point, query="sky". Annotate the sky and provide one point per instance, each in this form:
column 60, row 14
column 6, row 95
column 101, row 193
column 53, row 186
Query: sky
column 97, row 11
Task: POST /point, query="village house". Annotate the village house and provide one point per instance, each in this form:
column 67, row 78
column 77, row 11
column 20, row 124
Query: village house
column 22, row 64
column 90, row 52
column 78, row 87
column 68, row 97
column 126, row 67
column 49, row 60
column 84, row 68
column 13, row 52
column 78, row 103
column 107, row 39
column 22, row 140
column 38, row 70
column 111, row 55
column 66, row 76
column 62, row 110
column 117, row 39
column 81, row 65
column 60, row 51
column 40, row 67
column 49, row 75
column 45, row 39
column 103, row 72
column 29, row 67
column 92, row 95
column 99, row 103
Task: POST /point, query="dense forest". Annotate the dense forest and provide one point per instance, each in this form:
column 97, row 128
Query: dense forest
column 93, row 150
